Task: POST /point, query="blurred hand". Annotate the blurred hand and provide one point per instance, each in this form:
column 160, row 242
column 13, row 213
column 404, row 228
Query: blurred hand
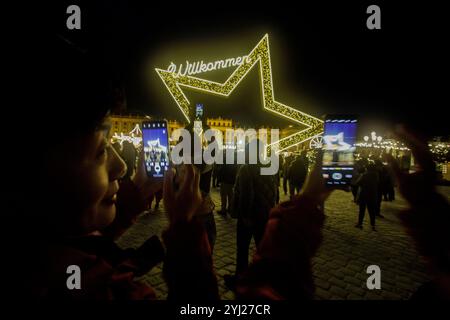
column 315, row 187
column 415, row 187
column 182, row 204
column 294, row 230
column 146, row 185
column 427, row 221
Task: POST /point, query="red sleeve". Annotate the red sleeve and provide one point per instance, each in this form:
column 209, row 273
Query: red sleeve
column 281, row 269
column 188, row 267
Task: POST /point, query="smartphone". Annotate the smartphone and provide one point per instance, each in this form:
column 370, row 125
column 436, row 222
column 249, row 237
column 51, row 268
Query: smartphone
column 155, row 139
column 199, row 112
column 198, row 120
column 339, row 139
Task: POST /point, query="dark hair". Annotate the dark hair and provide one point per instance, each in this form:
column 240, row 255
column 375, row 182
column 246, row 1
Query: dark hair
column 70, row 88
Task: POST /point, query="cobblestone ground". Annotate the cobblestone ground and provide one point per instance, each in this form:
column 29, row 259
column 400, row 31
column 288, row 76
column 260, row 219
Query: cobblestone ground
column 341, row 263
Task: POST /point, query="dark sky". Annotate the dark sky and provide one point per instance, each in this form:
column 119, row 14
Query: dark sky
column 324, row 58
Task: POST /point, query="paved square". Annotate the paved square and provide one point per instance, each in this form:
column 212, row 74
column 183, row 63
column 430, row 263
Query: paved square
column 340, row 265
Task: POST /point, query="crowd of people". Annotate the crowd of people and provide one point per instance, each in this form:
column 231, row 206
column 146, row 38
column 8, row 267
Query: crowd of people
column 88, row 195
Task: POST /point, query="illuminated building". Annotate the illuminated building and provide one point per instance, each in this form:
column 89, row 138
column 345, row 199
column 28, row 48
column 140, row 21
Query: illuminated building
column 173, row 126
column 125, row 123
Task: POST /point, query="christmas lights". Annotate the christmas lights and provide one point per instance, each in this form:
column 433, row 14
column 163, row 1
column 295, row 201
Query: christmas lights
column 260, row 55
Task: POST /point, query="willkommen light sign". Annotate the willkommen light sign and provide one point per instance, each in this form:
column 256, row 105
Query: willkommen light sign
column 175, row 78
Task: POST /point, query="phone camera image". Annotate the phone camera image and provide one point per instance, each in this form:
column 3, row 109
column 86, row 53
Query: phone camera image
column 199, row 111
column 156, row 148
column 338, row 150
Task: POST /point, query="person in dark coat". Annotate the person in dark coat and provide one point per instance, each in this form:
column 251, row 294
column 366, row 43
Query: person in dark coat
column 254, row 196
column 297, row 174
column 227, row 176
column 368, row 184
column 382, row 185
column 286, row 163
column 357, row 171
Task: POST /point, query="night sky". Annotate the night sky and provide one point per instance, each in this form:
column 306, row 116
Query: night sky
column 324, row 59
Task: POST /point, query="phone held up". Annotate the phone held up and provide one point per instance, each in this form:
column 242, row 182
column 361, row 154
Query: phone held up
column 338, row 146
column 198, row 120
column 155, row 139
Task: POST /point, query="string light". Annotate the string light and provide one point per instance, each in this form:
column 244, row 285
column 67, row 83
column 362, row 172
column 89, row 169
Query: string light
column 135, row 137
column 260, row 55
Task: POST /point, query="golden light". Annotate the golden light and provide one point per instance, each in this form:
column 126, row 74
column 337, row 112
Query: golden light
column 259, row 56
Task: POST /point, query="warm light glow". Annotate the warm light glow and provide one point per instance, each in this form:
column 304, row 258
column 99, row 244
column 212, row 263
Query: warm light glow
column 136, row 130
column 136, row 141
column 260, row 56
column 191, row 68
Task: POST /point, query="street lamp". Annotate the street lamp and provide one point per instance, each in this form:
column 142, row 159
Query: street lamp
column 366, row 138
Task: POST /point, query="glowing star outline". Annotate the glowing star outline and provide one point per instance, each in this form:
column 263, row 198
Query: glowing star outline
column 260, row 53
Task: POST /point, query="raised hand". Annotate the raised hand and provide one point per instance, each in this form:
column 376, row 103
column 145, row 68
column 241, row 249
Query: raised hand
column 428, row 219
column 182, row 203
column 314, row 187
column 416, row 187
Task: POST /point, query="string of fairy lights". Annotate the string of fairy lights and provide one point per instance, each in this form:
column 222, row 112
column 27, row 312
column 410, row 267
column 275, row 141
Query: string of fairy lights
column 134, row 137
column 260, row 57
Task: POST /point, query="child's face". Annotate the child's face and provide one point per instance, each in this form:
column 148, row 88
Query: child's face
column 86, row 181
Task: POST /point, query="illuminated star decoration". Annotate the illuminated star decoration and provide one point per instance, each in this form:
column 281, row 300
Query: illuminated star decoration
column 261, row 54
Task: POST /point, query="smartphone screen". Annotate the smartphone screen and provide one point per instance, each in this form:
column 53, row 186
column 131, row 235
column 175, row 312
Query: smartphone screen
column 155, row 140
column 199, row 112
column 338, row 149
column 198, row 121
